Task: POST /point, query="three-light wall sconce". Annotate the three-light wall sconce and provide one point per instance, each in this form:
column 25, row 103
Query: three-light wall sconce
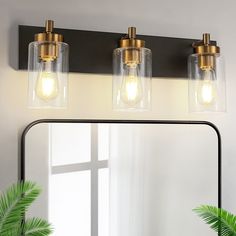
column 131, row 63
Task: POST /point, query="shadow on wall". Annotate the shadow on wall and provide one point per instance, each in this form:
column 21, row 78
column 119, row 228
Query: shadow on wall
column 13, row 46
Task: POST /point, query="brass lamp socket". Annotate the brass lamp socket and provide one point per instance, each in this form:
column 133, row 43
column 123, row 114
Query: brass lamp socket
column 132, row 47
column 207, row 53
column 48, row 48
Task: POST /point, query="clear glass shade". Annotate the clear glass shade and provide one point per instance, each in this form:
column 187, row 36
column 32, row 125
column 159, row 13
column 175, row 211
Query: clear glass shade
column 206, row 83
column 132, row 79
column 47, row 84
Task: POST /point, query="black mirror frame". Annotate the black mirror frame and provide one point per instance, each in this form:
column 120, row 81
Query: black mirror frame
column 169, row 122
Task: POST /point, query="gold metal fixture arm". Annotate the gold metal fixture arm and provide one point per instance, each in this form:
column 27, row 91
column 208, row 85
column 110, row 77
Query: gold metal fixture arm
column 206, row 39
column 205, row 46
column 132, row 47
column 132, row 32
column 49, row 25
column 48, row 35
column 48, row 48
column 130, row 40
column 207, row 52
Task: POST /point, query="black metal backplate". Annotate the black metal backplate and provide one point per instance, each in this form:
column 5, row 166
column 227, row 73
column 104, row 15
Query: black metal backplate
column 91, row 51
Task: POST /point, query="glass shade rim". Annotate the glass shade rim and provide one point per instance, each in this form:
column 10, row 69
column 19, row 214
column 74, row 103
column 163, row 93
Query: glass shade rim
column 42, row 42
column 125, row 48
column 213, row 54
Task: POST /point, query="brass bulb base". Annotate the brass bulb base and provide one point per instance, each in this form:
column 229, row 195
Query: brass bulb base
column 207, row 53
column 207, row 61
column 132, row 56
column 48, row 49
column 132, row 45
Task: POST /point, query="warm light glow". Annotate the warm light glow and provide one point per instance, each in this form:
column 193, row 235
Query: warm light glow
column 131, row 88
column 206, row 92
column 47, row 85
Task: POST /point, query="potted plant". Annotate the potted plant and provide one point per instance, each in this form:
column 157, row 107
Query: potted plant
column 220, row 220
column 14, row 203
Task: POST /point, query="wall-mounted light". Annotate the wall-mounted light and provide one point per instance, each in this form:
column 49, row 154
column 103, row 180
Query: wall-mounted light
column 206, row 77
column 132, row 71
column 132, row 66
column 48, row 70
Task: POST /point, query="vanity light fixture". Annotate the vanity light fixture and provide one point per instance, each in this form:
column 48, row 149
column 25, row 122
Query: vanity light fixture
column 132, row 71
column 132, row 66
column 48, row 70
column 206, row 77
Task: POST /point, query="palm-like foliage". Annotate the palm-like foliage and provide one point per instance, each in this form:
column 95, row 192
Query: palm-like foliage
column 13, row 206
column 220, row 220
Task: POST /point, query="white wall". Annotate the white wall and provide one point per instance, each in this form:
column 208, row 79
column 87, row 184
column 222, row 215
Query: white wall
column 90, row 96
column 155, row 175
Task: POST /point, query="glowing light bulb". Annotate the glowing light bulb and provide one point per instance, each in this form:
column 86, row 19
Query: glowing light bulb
column 207, row 90
column 131, row 88
column 47, row 87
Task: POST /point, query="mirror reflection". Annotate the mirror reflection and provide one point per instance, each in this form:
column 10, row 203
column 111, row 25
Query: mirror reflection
column 126, row 179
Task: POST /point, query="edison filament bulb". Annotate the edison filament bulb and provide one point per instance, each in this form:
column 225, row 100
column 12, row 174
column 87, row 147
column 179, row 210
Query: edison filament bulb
column 207, row 90
column 47, row 87
column 131, row 88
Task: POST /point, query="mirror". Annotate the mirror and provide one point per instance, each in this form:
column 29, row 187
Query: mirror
column 159, row 172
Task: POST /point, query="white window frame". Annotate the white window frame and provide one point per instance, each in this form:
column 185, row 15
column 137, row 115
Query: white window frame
column 94, row 165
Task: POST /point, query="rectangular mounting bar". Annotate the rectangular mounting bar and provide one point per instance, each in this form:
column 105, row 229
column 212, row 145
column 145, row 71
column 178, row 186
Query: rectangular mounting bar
column 91, row 51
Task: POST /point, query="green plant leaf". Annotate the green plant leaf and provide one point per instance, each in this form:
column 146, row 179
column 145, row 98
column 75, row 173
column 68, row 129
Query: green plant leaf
column 220, row 220
column 36, row 227
column 14, row 203
column 16, row 231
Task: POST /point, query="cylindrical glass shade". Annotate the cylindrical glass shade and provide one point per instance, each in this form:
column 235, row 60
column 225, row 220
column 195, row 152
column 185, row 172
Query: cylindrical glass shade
column 207, row 89
column 47, row 78
column 132, row 78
